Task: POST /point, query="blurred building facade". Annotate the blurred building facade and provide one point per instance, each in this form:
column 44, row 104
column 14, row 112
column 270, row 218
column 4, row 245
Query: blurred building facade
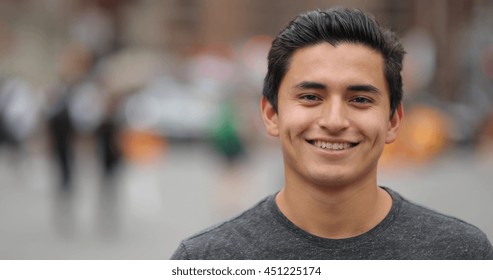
column 177, row 26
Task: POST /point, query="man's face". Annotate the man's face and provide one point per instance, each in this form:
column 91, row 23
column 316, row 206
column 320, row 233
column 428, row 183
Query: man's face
column 333, row 116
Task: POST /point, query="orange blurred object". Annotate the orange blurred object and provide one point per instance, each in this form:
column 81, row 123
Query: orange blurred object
column 423, row 135
column 142, row 146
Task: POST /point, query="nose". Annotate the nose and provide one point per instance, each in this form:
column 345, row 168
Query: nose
column 334, row 116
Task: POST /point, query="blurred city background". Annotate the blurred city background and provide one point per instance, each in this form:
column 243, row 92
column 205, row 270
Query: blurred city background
column 126, row 126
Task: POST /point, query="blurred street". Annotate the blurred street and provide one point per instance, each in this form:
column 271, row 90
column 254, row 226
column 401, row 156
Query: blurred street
column 153, row 207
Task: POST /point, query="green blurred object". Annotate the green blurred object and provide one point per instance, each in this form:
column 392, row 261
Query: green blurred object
column 224, row 134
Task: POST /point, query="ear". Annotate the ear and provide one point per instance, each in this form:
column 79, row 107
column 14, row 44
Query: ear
column 394, row 125
column 269, row 116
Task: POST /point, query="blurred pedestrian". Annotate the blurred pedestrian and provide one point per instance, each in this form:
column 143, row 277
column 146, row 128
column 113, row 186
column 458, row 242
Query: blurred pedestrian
column 110, row 158
column 75, row 63
column 19, row 111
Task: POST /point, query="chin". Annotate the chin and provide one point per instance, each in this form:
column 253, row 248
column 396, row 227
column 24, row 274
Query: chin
column 331, row 180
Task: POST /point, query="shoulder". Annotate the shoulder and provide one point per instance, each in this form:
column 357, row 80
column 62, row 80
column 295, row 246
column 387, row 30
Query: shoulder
column 432, row 220
column 227, row 240
column 452, row 237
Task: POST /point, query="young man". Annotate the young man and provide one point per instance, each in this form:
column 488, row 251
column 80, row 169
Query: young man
column 332, row 95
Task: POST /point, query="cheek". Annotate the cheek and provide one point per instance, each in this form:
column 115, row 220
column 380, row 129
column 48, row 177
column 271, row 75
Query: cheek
column 373, row 126
column 295, row 120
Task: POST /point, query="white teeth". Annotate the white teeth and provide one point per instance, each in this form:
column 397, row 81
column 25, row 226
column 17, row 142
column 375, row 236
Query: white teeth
column 332, row 146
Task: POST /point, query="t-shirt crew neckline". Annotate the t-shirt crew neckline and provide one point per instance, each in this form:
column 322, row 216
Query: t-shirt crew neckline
column 344, row 242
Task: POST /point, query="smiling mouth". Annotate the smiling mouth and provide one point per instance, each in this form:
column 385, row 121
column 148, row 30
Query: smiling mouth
column 333, row 146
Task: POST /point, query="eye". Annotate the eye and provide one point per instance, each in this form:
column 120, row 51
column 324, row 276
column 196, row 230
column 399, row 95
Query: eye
column 361, row 100
column 310, row 97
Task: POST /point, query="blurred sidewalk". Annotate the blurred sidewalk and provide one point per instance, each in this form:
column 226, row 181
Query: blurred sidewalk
column 150, row 210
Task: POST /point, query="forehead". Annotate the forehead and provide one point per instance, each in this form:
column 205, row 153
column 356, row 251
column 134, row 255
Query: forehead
column 341, row 64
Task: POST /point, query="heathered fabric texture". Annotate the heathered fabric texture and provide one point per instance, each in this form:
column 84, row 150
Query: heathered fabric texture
column 408, row 232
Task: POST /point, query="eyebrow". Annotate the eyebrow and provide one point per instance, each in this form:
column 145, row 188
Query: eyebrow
column 310, row 85
column 364, row 88
column 318, row 85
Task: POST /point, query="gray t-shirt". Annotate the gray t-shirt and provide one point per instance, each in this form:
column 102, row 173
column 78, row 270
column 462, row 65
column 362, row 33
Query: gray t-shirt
column 408, row 231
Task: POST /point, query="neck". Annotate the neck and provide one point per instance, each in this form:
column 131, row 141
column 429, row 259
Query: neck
column 335, row 213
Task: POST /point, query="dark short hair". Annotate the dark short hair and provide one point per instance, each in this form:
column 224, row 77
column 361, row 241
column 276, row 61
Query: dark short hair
column 334, row 26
